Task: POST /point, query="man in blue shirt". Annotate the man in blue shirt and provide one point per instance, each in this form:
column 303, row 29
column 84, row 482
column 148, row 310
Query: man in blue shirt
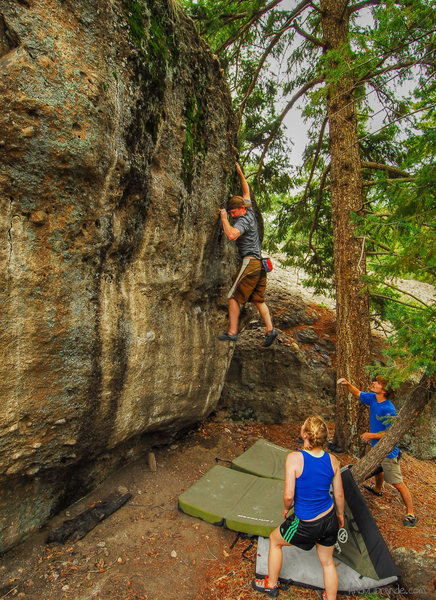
column 249, row 282
column 381, row 414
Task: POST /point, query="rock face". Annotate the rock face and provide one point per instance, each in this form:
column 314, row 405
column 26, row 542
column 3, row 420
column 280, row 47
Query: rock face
column 293, row 378
column 116, row 135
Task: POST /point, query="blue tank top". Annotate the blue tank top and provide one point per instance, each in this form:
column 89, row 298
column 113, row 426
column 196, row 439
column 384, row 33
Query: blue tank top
column 312, row 487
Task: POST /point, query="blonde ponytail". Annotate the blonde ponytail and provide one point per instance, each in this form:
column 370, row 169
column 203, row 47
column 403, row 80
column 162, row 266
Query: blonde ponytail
column 316, row 431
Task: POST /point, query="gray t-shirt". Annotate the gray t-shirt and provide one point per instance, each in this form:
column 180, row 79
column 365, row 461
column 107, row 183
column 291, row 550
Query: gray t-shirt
column 248, row 242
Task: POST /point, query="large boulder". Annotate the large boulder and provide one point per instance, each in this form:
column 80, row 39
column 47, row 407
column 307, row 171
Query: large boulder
column 293, row 378
column 116, row 152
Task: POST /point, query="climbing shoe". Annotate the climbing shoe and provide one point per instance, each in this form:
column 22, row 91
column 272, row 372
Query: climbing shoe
column 227, row 337
column 270, row 337
column 409, row 520
column 261, row 585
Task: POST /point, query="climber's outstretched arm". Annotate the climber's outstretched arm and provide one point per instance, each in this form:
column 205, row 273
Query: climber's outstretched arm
column 244, row 184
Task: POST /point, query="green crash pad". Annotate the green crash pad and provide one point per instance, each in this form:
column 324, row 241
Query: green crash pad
column 263, row 459
column 360, row 538
column 239, row 501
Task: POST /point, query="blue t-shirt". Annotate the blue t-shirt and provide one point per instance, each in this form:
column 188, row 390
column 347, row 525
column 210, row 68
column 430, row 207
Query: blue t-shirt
column 380, row 416
column 312, row 487
column 248, row 242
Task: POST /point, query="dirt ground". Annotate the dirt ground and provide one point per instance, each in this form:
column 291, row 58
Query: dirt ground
column 148, row 550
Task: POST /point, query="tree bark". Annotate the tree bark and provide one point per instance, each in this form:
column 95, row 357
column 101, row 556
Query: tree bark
column 414, row 405
column 352, row 298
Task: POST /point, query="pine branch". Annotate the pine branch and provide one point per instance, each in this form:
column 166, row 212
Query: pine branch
column 360, row 5
column 256, row 17
column 390, row 181
column 379, row 325
column 384, row 247
column 315, row 41
column 261, row 62
column 315, row 160
column 389, row 124
column 394, row 300
column 393, row 287
column 309, row 85
column 295, row 13
column 384, row 167
column 274, row 42
column 396, row 67
column 317, row 209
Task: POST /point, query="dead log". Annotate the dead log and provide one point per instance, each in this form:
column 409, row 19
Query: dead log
column 76, row 528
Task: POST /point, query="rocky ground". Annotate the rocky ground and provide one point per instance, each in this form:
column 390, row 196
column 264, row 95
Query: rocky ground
column 148, row 550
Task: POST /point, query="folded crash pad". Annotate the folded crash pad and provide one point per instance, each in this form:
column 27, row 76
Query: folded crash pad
column 236, row 500
column 263, row 459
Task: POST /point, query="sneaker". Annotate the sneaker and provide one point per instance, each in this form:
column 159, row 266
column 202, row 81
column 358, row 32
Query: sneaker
column 270, row 337
column 227, row 337
column 409, row 520
column 261, row 585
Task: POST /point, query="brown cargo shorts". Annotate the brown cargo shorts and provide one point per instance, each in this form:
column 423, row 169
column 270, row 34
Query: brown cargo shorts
column 392, row 470
column 249, row 283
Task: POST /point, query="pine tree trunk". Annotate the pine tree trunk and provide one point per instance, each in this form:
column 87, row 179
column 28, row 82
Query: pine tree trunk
column 352, row 298
column 411, row 409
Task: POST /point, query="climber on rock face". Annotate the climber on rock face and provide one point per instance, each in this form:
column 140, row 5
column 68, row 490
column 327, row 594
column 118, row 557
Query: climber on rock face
column 249, row 282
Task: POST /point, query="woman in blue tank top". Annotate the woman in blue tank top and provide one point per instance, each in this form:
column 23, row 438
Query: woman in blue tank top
column 309, row 475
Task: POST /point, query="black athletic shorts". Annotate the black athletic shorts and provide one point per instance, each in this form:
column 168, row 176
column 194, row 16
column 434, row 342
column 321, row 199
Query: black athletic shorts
column 305, row 534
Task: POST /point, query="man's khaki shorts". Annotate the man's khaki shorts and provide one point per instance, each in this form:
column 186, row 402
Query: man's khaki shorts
column 392, row 470
column 251, row 284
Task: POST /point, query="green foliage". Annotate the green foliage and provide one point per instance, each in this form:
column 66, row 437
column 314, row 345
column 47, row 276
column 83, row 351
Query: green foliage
column 271, row 55
column 399, row 224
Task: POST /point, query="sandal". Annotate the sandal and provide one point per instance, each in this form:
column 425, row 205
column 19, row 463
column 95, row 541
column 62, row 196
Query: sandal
column 409, row 520
column 371, row 489
column 261, row 585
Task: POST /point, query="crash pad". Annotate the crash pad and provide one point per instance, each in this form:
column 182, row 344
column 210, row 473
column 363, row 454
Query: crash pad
column 236, row 500
column 302, row 568
column 248, row 498
column 263, row 459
